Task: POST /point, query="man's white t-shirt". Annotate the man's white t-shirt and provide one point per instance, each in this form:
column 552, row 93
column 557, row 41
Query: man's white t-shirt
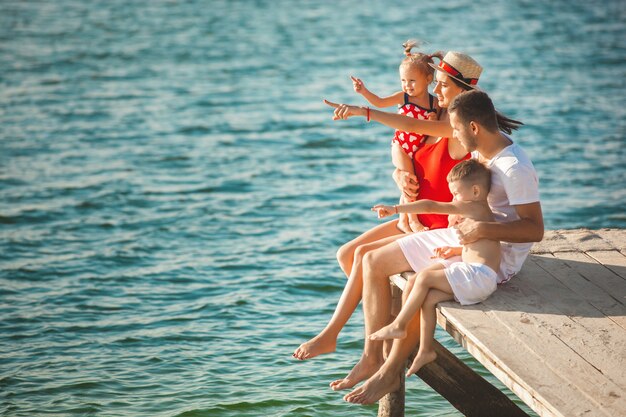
column 513, row 182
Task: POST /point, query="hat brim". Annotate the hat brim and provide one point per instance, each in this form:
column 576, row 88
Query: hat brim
column 436, row 67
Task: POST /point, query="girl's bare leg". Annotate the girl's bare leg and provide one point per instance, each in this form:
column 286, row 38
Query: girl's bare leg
column 403, row 162
column 326, row 340
column 432, row 277
column 426, row 352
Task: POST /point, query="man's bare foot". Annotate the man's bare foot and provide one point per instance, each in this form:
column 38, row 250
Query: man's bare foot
column 390, row 331
column 375, row 388
column 403, row 224
column 364, row 369
column 421, row 359
column 314, row 347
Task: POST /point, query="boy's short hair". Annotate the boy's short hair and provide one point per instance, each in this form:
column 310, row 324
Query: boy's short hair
column 475, row 106
column 471, row 171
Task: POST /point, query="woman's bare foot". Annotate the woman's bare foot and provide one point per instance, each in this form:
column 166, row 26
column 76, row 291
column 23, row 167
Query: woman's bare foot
column 421, row 359
column 375, row 388
column 315, row 347
column 390, row 331
column 403, row 223
column 364, row 369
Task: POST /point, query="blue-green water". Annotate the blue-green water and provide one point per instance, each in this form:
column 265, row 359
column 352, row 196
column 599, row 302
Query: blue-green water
column 173, row 191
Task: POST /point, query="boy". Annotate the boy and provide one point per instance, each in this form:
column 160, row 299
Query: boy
column 470, row 281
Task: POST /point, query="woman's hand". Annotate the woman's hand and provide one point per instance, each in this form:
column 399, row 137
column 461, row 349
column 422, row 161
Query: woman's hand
column 384, row 211
column 407, row 183
column 343, row 111
column 358, row 85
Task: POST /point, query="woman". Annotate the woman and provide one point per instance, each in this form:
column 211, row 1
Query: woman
column 455, row 74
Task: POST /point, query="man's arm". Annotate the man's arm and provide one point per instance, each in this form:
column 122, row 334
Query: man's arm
column 529, row 228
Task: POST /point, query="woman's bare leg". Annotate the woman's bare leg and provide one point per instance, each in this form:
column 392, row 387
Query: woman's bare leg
column 426, row 352
column 326, row 340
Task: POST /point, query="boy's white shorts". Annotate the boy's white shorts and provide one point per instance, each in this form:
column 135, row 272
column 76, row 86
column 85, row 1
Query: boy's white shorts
column 471, row 282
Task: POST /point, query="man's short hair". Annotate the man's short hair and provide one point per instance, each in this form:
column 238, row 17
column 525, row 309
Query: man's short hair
column 471, row 172
column 475, row 106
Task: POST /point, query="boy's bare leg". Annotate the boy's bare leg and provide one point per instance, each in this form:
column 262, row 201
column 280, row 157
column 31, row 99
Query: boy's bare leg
column 378, row 264
column 403, row 162
column 426, row 352
column 326, row 340
column 432, row 277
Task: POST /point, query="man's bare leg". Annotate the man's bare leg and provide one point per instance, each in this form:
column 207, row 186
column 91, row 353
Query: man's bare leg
column 378, row 264
column 432, row 277
column 326, row 340
column 426, row 352
column 387, row 378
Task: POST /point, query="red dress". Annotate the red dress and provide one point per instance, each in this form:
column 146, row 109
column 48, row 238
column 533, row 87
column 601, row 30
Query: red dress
column 432, row 163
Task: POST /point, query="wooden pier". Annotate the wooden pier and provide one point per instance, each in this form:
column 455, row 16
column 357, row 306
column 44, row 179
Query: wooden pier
column 555, row 335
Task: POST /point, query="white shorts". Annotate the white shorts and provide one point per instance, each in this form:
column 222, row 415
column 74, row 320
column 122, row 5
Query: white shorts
column 471, row 282
column 418, row 248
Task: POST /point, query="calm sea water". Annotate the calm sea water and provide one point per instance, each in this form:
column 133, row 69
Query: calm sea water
column 173, row 191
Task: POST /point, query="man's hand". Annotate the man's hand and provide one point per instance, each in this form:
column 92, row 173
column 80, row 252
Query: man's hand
column 468, row 231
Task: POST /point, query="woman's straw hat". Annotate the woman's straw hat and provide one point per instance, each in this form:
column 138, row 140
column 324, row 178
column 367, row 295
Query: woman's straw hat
column 461, row 67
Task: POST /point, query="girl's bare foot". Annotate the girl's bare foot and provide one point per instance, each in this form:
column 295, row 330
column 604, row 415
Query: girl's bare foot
column 390, row 331
column 315, row 347
column 415, row 224
column 403, row 223
column 420, row 360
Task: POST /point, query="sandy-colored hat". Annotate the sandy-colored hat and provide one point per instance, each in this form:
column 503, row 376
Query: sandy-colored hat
column 461, row 67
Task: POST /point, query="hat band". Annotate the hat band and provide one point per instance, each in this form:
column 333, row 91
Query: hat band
column 456, row 74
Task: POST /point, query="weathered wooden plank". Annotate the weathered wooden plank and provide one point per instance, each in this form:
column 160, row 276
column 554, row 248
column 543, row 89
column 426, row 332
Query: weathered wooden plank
column 614, row 260
column 573, row 319
column 467, row 391
column 569, row 277
column 536, row 330
column 601, row 276
column 503, row 356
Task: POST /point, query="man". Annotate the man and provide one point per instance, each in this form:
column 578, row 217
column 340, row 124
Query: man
column 514, row 199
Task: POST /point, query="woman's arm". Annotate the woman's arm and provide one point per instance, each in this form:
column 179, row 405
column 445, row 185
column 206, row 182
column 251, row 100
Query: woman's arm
column 396, row 121
column 407, row 182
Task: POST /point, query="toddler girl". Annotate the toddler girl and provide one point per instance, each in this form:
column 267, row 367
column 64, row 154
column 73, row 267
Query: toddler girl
column 413, row 101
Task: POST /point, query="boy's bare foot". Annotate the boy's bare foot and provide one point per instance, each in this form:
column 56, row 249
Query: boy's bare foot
column 420, row 360
column 403, row 224
column 390, row 331
column 315, row 347
column 375, row 388
column 364, row 369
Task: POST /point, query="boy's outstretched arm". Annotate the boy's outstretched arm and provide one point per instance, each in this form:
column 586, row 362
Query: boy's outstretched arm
column 424, row 206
